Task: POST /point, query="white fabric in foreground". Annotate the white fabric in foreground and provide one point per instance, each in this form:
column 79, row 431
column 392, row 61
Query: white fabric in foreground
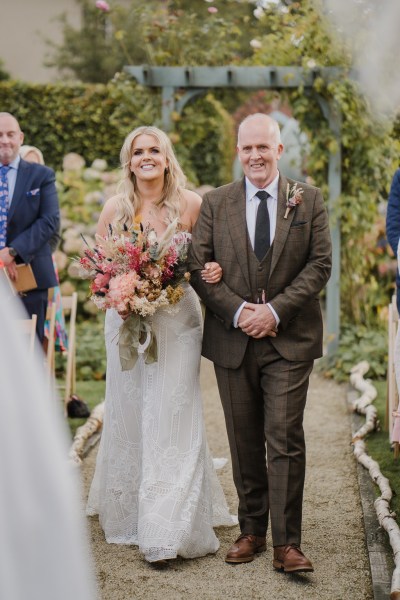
column 43, row 545
column 396, row 356
column 219, row 463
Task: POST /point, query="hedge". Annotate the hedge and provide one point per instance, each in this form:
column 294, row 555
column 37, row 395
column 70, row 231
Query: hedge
column 60, row 118
column 93, row 119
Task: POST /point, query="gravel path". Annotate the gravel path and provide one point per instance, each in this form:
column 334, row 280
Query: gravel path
column 333, row 532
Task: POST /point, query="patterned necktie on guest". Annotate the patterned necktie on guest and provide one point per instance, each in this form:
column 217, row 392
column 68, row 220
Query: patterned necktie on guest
column 261, row 237
column 3, row 204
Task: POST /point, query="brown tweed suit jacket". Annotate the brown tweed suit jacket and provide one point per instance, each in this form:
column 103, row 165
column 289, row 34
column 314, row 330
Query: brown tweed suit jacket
column 300, row 268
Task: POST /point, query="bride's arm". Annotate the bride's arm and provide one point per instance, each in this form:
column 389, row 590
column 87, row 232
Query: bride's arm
column 212, row 272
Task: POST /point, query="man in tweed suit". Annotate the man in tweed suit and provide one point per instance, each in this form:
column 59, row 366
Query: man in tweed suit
column 263, row 330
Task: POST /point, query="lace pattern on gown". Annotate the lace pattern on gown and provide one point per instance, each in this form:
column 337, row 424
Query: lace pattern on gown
column 154, row 483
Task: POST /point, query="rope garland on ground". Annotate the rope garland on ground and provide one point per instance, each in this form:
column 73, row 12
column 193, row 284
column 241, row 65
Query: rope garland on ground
column 85, row 432
column 386, row 518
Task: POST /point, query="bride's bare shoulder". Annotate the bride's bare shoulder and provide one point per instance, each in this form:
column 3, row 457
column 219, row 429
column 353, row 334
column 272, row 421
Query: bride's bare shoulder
column 191, row 209
column 192, row 198
column 107, row 214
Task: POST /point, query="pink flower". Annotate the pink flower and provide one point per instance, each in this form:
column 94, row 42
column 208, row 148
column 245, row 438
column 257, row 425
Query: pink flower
column 135, row 256
column 86, row 262
column 103, row 6
column 171, row 258
column 212, row 9
column 100, row 282
column 168, row 273
column 122, row 289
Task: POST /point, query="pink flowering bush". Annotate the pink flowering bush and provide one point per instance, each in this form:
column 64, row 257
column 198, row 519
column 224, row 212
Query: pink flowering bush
column 103, row 6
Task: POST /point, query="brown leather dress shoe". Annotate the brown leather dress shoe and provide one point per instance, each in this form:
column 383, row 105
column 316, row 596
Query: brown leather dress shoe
column 291, row 559
column 245, row 548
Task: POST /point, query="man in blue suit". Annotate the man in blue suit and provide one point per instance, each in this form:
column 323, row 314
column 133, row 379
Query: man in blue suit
column 393, row 223
column 29, row 216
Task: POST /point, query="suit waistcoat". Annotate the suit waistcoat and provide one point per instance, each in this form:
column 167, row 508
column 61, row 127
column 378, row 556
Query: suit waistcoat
column 258, row 272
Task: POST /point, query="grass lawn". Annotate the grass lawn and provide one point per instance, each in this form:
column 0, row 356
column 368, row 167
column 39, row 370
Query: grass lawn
column 378, row 447
column 91, row 392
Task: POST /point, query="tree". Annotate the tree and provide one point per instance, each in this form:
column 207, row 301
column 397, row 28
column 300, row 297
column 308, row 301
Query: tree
column 3, row 74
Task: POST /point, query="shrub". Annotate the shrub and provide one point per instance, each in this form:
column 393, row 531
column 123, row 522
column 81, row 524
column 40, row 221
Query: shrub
column 358, row 343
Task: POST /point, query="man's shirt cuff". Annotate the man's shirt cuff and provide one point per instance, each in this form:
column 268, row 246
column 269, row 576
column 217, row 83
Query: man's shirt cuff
column 237, row 314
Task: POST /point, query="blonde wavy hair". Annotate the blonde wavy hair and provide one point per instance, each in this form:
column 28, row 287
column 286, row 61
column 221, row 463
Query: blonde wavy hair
column 128, row 200
column 25, row 150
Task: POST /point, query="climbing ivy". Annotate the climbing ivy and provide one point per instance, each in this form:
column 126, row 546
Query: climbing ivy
column 302, row 36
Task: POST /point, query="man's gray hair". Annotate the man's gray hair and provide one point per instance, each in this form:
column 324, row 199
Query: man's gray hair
column 268, row 120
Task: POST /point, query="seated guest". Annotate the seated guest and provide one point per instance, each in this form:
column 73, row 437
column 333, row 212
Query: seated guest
column 31, row 154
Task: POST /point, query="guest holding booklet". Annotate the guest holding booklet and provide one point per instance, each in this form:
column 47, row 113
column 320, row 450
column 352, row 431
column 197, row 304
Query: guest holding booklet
column 29, row 217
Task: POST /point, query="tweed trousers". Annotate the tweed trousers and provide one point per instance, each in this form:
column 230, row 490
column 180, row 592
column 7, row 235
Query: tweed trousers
column 263, row 402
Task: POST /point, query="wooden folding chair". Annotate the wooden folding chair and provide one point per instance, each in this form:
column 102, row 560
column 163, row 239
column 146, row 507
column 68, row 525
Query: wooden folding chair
column 50, row 354
column 28, row 327
column 70, row 305
column 392, row 395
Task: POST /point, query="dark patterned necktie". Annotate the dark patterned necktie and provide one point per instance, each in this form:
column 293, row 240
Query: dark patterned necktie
column 3, row 205
column 261, row 237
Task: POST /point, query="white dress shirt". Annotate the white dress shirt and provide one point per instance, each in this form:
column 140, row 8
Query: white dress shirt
column 252, row 202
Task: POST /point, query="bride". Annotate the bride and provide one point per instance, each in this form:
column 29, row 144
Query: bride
column 154, row 484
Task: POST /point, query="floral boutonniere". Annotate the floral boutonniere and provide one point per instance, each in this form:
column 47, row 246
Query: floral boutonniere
column 293, row 197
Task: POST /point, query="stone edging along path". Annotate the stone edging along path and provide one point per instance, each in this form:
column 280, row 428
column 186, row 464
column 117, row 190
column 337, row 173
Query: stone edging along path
column 377, row 514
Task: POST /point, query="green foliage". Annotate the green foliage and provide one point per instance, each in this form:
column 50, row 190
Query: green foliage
column 205, row 134
column 101, row 47
column 302, row 36
column 358, row 343
column 158, row 33
column 93, row 120
column 91, row 356
column 77, row 118
column 379, row 448
column 184, row 32
column 90, row 351
column 3, row 74
column 82, row 194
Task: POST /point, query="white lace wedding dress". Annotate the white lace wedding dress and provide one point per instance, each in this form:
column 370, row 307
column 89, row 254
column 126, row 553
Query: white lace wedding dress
column 155, row 485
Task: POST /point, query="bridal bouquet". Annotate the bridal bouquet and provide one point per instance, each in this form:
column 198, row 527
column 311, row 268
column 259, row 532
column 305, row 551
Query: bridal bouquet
column 132, row 270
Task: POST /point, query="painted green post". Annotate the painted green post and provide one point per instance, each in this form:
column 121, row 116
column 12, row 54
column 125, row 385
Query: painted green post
column 167, row 107
column 333, row 116
column 335, row 189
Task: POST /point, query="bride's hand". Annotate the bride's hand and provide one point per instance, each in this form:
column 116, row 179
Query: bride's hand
column 212, row 272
